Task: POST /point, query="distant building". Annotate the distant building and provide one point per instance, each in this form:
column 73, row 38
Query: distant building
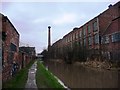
column 39, row 56
column 28, row 50
column 10, row 46
column 26, row 54
column 100, row 35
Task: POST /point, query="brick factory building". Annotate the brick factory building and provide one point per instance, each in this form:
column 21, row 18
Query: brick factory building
column 100, row 36
column 13, row 57
column 10, row 47
column 26, row 54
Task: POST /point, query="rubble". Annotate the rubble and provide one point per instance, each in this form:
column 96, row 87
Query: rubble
column 101, row 64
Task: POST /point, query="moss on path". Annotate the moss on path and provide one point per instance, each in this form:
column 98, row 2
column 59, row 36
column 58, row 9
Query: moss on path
column 20, row 79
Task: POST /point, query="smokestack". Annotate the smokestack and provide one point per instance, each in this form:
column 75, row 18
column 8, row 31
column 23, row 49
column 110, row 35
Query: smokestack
column 49, row 37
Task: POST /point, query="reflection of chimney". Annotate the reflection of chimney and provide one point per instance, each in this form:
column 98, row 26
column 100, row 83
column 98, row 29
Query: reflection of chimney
column 49, row 37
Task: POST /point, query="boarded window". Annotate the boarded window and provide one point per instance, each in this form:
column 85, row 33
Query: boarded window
column 105, row 39
column 13, row 47
column 4, row 35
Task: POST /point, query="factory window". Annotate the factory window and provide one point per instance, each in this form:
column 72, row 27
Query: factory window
column 96, row 38
column 115, row 37
column 69, row 38
column 4, row 35
column 77, row 43
column 80, row 34
column 13, row 47
column 0, row 53
column 66, row 40
column 105, row 39
column 89, row 40
column 73, row 36
column 89, row 29
column 84, row 42
column 76, row 35
column 81, row 43
column 95, row 26
column 84, row 31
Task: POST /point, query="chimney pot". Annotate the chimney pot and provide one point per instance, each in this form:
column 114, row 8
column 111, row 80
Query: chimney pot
column 110, row 6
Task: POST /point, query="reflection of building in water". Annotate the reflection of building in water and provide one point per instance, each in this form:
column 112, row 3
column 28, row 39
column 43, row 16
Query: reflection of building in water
column 77, row 76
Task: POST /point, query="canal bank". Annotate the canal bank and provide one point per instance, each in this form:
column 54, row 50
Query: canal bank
column 19, row 80
column 45, row 79
column 77, row 76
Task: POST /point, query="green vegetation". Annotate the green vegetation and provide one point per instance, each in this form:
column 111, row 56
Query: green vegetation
column 20, row 79
column 78, row 52
column 44, row 79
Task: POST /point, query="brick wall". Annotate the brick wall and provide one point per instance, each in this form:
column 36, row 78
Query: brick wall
column 10, row 47
column 103, row 22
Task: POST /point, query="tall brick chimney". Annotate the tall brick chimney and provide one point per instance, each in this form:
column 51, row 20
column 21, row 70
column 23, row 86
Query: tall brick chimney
column 49, row 38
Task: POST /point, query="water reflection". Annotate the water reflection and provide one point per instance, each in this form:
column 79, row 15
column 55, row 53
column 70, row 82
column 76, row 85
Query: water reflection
column 75, row 76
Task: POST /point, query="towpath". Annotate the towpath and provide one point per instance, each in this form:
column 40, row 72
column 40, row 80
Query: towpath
column 31, row 82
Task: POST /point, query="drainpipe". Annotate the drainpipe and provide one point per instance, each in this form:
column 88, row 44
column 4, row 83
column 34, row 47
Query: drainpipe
column 99, row 36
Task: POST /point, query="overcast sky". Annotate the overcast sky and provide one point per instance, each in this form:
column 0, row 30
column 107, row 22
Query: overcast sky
column 31, row 19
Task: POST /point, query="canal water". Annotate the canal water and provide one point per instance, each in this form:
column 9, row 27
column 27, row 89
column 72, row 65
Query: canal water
column 77, row 76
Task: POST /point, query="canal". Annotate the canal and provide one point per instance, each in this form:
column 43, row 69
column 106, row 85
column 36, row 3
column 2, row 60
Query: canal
column 77, row 76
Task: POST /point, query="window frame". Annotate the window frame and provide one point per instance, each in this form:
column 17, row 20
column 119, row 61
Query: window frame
column 116, row 37
column 89, row 29
column 95, row 26
column 84, row 31
column 89, row 40
column 96, row 38
column 105, row 39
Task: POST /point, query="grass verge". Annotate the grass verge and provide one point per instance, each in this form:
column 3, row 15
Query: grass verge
column 20, row 79
column 44, row 79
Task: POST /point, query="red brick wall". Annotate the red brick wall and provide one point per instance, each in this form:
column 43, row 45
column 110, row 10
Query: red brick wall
column 12, row 36
column 113, row 47
column 103, row 21
column 107, row 16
